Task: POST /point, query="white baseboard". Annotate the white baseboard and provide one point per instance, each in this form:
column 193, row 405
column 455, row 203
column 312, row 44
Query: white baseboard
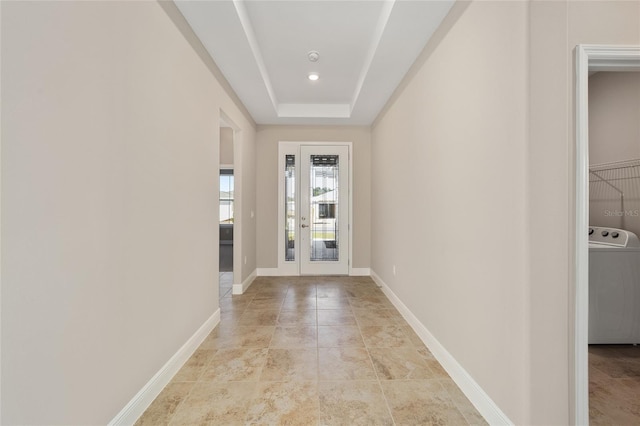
column 137, row 406
column 241, row 288
column 276, row 272
column 360, row 272
column 478, row 397
column 268, row 272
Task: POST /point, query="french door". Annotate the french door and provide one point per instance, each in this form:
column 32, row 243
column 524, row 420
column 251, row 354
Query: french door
column 316, row 209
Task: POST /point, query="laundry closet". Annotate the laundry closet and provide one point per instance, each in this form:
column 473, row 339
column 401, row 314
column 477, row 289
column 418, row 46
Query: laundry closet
column 614, row 247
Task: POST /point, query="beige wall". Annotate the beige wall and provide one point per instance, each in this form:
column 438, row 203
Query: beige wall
column 245, row 207
column 555, row 29
column 614, row 117
column 268, row 138
column 486, row 154
column 226, row 145
column 109, row 203
column 448, row 202
column 614, row 135
column 108, row 230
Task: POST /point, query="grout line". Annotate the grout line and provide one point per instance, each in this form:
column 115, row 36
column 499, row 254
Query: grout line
column 172, row 416
column 343, row 309
column 384, row 396
column 317, row 359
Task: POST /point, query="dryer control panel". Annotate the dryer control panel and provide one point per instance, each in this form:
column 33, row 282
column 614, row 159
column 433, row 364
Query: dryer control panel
column 613, row 237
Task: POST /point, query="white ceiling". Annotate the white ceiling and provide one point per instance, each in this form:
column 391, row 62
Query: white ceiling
column 366, row 48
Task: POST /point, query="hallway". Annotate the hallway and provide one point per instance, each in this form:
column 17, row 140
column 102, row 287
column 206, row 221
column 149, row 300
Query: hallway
column 311, row 350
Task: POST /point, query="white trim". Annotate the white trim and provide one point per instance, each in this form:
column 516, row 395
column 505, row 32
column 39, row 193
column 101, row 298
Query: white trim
column 588, row 58
column 241, row 288
column 350, row 205
column 293, row 148
column 271, row 272
column 580, row 347
column 238, row 204
column 360, row 272
column 611, row 58
column 143, row 399
column 226, row 166
column 285, row 268
column 472, row 390
column 276, row 272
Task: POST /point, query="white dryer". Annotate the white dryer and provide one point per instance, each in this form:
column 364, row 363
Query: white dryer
column 614, row 286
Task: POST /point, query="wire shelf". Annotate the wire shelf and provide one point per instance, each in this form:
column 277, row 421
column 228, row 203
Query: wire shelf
column 614, row 194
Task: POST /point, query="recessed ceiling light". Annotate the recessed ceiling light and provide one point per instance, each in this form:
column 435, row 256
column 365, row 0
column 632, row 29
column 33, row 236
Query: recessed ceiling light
column 313, row 76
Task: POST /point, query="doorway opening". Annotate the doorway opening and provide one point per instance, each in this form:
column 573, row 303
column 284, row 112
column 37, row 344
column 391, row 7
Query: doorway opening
column 589, row 59
column 226, row 229
column 229, row 197
column 314, row 208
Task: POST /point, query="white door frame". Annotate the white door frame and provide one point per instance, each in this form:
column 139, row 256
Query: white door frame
column 293, row 147
column 589, row 58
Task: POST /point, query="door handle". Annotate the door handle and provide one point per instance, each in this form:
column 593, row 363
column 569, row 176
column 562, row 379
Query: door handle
column 304, row 226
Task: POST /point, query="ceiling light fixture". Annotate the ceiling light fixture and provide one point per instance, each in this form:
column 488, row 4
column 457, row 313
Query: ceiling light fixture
column 313, row 76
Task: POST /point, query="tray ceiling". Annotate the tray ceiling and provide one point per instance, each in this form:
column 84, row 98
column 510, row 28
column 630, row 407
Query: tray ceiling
column 365, row 49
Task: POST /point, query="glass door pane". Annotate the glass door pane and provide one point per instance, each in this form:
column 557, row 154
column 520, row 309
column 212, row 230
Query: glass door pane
column 324, row 190
column 323, row 210
column 290, row 208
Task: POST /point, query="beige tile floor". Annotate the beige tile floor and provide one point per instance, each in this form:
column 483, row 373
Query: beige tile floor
column 311, row 351
column 614, row 385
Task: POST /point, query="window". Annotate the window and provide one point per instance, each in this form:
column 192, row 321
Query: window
column 226, row 196
column 290, row 207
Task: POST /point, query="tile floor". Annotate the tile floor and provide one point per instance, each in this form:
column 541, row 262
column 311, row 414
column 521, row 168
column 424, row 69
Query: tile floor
column 311, row 351
column 226, row 257
column 226, row 284
column 614, row 385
